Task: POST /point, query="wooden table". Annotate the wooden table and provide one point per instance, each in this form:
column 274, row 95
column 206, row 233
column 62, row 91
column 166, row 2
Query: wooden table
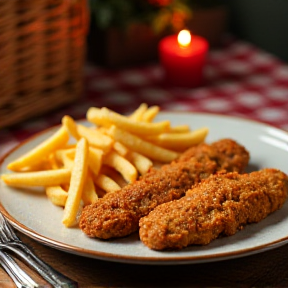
column 267, row 269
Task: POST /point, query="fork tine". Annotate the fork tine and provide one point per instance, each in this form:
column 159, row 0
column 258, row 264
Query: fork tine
column 7, row 230
column 11, row 241
column 8, row 261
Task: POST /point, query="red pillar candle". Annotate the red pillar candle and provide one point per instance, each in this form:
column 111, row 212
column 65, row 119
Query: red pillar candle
column 183, row 60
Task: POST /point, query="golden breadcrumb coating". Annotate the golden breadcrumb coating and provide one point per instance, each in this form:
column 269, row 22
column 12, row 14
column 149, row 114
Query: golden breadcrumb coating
column 118, row 214
column 219, row 205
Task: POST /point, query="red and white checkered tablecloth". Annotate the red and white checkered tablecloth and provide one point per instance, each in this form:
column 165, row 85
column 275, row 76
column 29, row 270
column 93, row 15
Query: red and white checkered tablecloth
column 241, row 80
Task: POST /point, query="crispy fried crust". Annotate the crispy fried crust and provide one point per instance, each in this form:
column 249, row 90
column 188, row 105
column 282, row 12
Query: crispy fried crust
column 227, row 154
column 219, row 205
column 117, row 214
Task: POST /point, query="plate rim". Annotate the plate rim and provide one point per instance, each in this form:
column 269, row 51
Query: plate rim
column 138, row 259
column 56, row 244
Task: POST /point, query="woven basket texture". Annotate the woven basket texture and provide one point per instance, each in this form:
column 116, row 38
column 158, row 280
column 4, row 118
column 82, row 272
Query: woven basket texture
column 42, row 53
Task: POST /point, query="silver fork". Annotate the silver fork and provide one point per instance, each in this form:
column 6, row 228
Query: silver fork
column 9, row 240
column 19, row 277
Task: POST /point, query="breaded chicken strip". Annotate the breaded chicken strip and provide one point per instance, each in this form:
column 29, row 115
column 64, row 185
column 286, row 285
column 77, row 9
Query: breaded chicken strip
column 219, row 205
column 227, row 153
column 118, row 214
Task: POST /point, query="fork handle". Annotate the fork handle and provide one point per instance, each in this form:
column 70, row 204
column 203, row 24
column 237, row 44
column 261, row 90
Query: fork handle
column 19, row 277
column 52, row 276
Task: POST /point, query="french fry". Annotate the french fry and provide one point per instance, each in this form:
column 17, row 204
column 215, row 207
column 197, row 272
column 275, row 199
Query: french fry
column 65, row 186
column 34, row 156
column 71, row 126
column 150, row 114
column 61, row 153
column 43, row 165
column 53, row 161
column 117, row 146
column 68, row 162
column 120, row 148
column 95, row 115
column 69, row 146
column 95, row 138
column 89, row 194
column 38, row 178
column 179, row 129
column 180, row 141
column 138, row 113
column 95, row 159
column 139, row 145
column 104, row 159
column 114, row 175
column 106, row 183
column 142, row 163
column 122, row 165
column 78, row 178
column 109, row 117
column 57, row 195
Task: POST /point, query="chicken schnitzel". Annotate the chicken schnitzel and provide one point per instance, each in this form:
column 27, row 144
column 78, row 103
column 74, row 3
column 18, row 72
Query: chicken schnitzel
column 219, row 205
column 118, row 214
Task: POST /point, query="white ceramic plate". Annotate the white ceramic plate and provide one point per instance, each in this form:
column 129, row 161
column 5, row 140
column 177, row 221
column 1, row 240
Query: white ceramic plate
column 31, row 213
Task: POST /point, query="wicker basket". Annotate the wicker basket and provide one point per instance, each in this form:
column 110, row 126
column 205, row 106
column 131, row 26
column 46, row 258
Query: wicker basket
column 42, row 52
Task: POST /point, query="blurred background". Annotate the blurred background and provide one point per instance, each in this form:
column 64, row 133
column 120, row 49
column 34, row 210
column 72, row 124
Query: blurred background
column 46, row 44
column 124, row 32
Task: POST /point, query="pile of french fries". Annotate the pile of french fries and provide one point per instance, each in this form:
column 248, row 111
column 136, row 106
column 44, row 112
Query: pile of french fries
column 102, row 158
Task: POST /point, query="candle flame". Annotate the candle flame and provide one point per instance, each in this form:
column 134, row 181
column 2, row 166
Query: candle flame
column 184, row 38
